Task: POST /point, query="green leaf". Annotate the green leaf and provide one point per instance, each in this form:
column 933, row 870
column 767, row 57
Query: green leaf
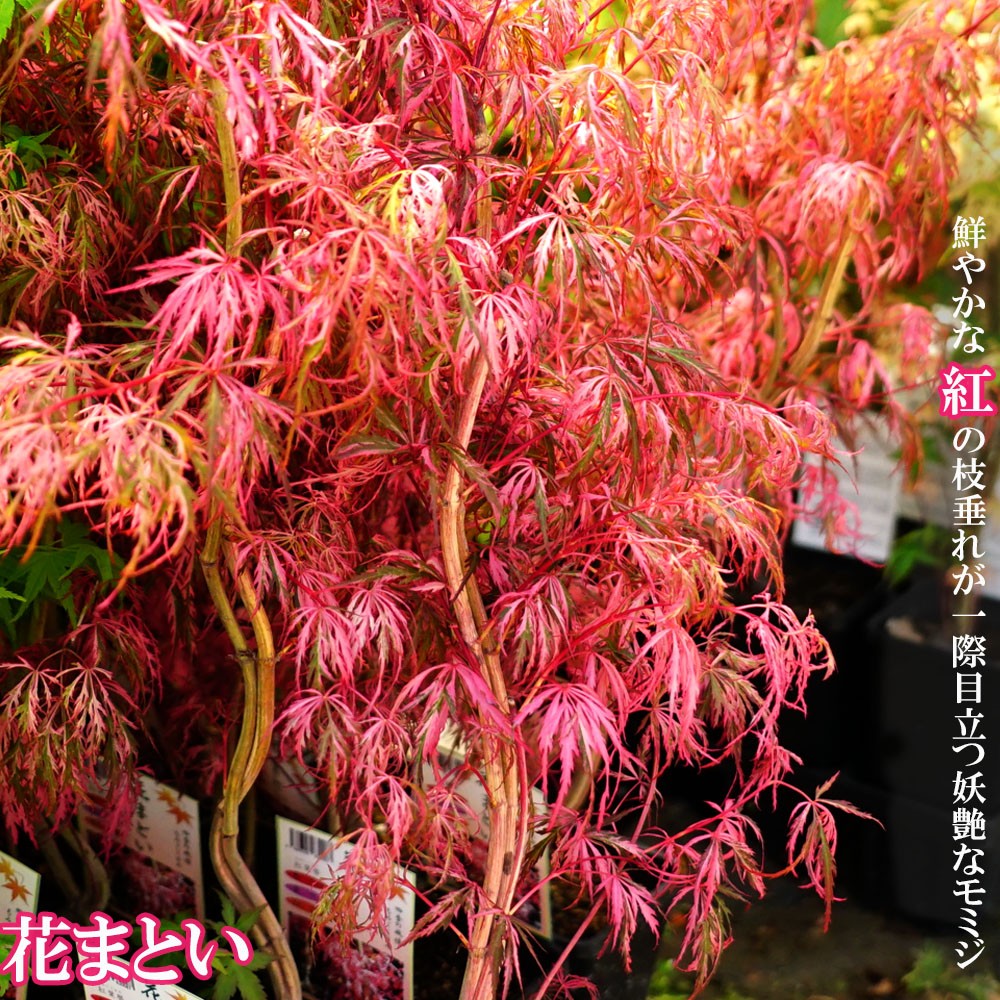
column 47, row 573
column 7, row 942
column 238, row 979
column 41, row 575
column 225, row 987
column 830, row 17
column 260, row 960
column 387, row 419
column 73, row 534
column 247, row 921
column 228, row 910
column 102, row 563
column 6, row 17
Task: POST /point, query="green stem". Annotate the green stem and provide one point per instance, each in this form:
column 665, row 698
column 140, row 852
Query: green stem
column 230, row 166
column 256, row 666
column 778, row 326
column 248, row 758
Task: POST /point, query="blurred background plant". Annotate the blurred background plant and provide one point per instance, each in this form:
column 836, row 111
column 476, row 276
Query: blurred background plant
column 451, row 365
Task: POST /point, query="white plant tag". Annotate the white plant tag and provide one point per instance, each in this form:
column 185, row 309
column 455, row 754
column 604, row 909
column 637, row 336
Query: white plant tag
column 452, row 753
column 165, row 829
column 870, row 481
column 18, row 892
column 18, row 888
column 308, row 860
column 159, row 867
column 131, row 990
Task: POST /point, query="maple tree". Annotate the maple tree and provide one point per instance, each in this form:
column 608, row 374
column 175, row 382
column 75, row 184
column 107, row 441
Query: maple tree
column 446, row 363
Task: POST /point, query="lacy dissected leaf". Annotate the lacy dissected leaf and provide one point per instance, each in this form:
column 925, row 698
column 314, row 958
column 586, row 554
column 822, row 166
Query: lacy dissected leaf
column 486, row 341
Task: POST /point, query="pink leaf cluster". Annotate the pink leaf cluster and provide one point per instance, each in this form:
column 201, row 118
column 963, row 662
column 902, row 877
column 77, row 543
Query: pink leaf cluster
column 256, row 284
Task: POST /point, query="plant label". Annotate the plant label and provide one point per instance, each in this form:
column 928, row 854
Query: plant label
column 131, row 990
column 870, row 482
column 451, row 753
column 308, row 861
column 159, row 868
column 18, row 892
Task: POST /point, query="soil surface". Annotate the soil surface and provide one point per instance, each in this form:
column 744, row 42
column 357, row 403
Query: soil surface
column 780, row 952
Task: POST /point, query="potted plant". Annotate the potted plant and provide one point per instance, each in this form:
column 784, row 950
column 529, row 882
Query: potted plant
column 389, row 352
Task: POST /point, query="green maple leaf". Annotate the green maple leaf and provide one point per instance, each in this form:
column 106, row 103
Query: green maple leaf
column 7, row 8
column 239, row 979
column 6, row 17
column 6, row 943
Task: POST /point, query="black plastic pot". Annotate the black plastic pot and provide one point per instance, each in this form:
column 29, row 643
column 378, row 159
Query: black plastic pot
column 914, row 694
column 844, row 595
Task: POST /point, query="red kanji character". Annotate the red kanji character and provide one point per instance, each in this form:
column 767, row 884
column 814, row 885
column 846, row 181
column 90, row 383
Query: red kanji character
column 962, row 391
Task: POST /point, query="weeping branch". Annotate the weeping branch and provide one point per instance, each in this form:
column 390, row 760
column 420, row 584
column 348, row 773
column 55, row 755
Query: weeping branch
column 256, row 666
column 832, row 285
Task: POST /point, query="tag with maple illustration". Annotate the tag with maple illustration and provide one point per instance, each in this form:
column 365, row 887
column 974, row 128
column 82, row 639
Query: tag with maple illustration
column 451, row 753
column 18, row 892
column 308, row 862
column 158, row 869
column 18, row 888
column 131, row 990
column 166, row 839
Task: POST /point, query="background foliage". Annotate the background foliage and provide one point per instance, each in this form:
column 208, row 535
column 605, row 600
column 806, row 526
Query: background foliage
column 433, row 363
